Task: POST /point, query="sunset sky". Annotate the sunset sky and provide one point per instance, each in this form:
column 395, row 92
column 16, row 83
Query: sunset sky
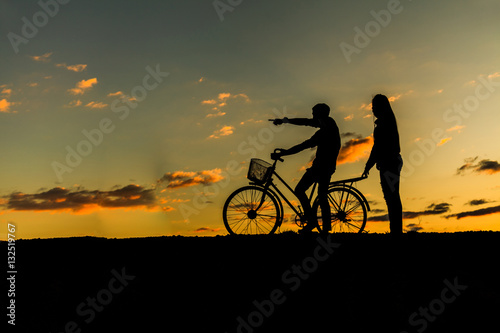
column 132, row 119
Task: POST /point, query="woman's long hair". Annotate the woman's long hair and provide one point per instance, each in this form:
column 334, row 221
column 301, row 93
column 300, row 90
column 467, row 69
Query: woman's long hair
column 384, row 109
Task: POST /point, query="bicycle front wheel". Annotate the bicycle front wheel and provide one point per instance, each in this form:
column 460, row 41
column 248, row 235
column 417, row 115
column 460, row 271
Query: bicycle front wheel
column 348, row 211
column 251, row 210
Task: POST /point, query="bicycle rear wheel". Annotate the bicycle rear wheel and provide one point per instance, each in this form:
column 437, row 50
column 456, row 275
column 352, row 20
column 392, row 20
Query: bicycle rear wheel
column 251, row 210
column 348, row 211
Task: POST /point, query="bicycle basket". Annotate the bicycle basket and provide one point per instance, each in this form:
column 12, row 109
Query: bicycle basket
column 259, row 170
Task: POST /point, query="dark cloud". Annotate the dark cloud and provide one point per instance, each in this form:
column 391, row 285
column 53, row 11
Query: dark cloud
column 180, row 179
column 413, row 227
column 434, row 209
column 478, row 202
column 351, row 135
column 477, row 212
column 206, row 229
column 484, row 166
column 59, row 198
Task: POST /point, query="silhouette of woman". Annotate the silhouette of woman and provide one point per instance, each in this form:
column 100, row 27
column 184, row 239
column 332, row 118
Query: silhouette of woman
column 386, row 154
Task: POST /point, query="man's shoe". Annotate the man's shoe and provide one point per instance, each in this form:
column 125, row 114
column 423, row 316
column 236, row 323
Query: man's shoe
column 308, row 228
column 326, row 230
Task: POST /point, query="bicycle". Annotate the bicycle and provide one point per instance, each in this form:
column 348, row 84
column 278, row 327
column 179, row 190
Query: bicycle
column 257, row 208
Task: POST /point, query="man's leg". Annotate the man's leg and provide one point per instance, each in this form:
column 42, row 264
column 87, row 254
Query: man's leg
column 326, row 214
column 300, row 191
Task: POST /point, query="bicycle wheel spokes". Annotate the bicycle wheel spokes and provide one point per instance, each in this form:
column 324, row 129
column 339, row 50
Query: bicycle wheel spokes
column 246, row 213
column 348, row 213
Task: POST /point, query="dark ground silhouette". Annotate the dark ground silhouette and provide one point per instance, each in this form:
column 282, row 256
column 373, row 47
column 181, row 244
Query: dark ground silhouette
column 191, row 284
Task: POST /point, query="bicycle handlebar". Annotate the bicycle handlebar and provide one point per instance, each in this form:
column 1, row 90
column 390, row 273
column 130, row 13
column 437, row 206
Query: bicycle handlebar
column 276, row 155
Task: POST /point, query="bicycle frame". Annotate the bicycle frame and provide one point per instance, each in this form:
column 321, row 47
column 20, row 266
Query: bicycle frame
column 275, row 190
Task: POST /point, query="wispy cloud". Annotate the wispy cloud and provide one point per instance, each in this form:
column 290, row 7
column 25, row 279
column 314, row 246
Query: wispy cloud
column 207, row 229
column 82, row 86
column 443, row 141
column 96, row 105
column 213, row 115
column 82, row 201
column 42, row 58
column 433, row 209
column 209, row 102
column 478, row 202
column 121, row 95
column 477, row 212
column 457, row 128
column 224, row 131
column 73, row 104
column 74, row 68
column 179, row 179
column 485, row 166
column 6, row 92
column 221, row 101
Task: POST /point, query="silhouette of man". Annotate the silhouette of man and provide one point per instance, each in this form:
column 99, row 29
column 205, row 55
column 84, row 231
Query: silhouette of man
column 327, row 141
column 386, row 154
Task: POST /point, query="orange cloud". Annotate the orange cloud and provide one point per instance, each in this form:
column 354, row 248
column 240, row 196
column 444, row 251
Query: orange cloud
column 224, row 96
column 6, row 91
column 213, row 115
column 42, row 58
column 96, row 105
column 443, row 141
column 209, row 101
column 83, row 86
column 355, row 150
column 244, row 96
column 74, row 68
column 458, row 128
column 5, row 105
column 73, row 104
column 224, row 131
column 394, row 98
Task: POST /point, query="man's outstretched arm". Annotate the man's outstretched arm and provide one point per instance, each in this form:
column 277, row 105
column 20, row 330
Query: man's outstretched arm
column 297, row 121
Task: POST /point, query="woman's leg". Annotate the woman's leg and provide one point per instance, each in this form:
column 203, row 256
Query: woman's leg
column 390, row 179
